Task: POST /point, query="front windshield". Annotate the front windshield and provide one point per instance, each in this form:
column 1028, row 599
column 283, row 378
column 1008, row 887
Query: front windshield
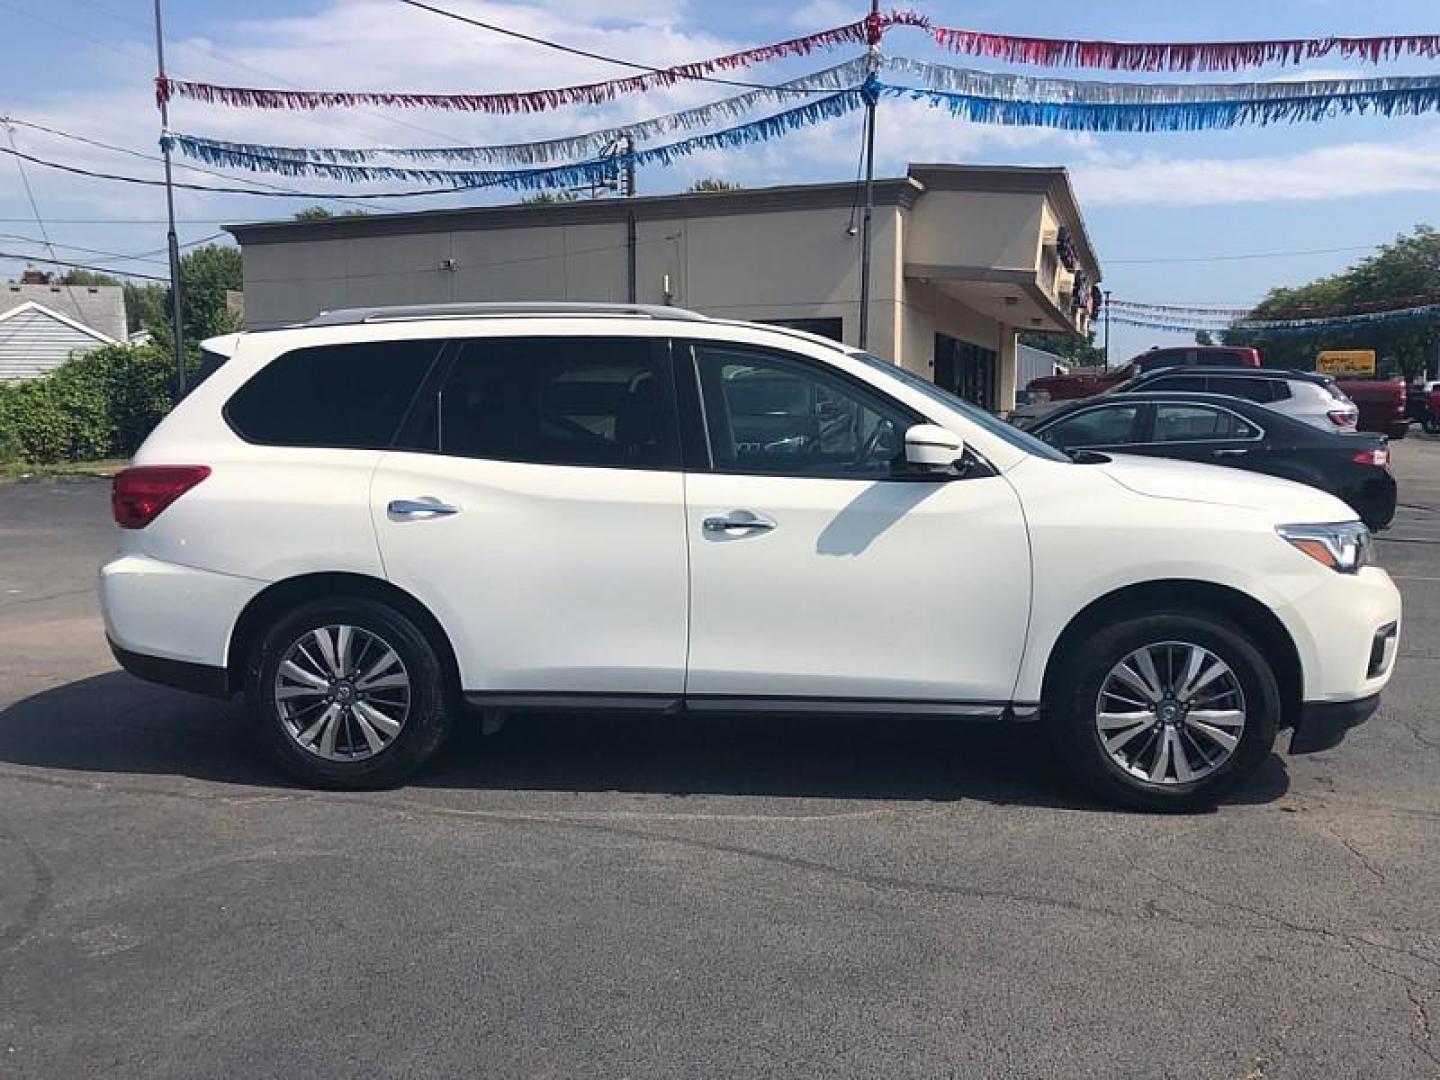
column 993, row 424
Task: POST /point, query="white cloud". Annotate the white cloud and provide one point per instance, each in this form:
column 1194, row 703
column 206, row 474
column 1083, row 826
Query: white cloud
column 1329, row 172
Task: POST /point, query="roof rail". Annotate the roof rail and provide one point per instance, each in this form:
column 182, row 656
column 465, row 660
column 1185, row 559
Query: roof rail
column 499, row 309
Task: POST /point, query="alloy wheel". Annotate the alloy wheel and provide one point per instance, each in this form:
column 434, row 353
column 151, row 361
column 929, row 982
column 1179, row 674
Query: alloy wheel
column 342, row 693
column 1170, row 713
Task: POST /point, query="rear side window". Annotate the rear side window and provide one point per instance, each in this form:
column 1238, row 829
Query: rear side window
column 601, row 402
column 345, row 396
column 1257, row 390
column 1199, row 423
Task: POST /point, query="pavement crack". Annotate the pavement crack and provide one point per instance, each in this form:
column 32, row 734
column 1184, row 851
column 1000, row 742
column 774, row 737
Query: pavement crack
column 1360, row 856
column 41, row 891
column 1422, row 1036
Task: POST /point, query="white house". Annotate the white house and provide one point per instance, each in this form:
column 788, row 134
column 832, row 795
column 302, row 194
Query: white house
column 42, row 326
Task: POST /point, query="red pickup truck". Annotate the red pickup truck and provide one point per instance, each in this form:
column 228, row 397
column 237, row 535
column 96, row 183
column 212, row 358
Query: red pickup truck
column 1381, row 403
column 1049, row 388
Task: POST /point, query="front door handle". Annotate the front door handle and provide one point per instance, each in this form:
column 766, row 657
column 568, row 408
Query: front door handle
column 427, row 506
column 738, row 521
column 1228, row 453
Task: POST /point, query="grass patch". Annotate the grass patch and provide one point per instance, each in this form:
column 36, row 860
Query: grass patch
column 12, row 471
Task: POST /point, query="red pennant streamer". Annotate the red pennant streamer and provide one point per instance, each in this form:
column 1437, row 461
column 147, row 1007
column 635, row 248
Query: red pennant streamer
column 867, row 31
column 1180, row 56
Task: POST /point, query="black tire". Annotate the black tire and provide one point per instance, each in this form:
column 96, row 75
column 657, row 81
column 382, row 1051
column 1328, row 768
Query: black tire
column 1072, row 705
column 432, row 699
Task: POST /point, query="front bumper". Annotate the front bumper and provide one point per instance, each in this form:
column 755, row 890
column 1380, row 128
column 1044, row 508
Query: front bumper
column 1323, row 724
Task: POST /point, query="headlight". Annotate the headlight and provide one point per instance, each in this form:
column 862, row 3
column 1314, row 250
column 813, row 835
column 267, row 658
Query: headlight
column 1343, row 547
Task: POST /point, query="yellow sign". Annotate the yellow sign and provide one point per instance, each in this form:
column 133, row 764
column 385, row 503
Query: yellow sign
column 1346, row 362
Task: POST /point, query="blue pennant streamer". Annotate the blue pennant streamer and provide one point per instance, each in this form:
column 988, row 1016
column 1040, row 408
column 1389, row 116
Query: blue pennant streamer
column 1286, row 327
column 574, row 174
column 1175, row 115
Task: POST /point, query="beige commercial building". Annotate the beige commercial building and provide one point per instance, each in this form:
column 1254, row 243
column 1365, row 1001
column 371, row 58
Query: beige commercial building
column 963, row 258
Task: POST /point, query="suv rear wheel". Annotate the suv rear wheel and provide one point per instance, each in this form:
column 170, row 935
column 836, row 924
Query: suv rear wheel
column 349, row 693
column 1164, row 712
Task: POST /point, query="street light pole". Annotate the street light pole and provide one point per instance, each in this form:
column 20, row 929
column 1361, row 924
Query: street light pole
column 172, row 243
column 1107, row 328
column 872, row 68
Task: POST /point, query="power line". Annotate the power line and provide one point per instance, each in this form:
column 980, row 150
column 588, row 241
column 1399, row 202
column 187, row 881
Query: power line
column 212, row 51
column 156, row 157
column 1233, row 258
column 573, row 51
column 112, row 255
column 84, row 266
column 145, row 182
column 35, row 209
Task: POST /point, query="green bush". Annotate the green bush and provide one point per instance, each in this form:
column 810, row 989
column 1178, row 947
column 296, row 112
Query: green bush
column 97, row 405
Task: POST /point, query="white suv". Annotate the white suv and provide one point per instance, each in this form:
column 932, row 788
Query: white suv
column 367, row 520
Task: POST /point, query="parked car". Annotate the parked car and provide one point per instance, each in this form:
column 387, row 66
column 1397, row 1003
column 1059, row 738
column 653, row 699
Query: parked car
column 1045, row 394
column 1301, row 395
column 367, row 520
column 1382, row 405
column 1239, row 434
column 1422, row 405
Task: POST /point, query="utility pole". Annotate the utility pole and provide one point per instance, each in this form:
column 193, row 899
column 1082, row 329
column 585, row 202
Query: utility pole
column 872, row 70
column 632, row 239
column 1107, row 329
column 171, row 241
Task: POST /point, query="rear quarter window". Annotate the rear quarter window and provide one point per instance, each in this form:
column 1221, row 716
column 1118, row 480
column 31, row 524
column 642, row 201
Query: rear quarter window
column 350, row 396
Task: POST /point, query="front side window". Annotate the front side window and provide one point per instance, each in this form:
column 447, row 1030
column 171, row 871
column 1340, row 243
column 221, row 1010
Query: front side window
column 1110, row 426
column 344, row 396
column 1199, row 423
column 769, row 413
column 601, row 402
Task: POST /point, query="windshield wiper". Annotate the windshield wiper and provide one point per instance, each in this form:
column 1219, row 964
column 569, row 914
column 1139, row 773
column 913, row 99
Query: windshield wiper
column 1088, row 457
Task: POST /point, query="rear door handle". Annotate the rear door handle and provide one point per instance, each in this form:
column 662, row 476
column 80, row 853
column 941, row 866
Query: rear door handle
column 1228, row 453
column 426, row 505
column 738, row 521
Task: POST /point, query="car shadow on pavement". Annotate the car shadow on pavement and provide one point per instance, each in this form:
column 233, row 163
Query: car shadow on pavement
column 115, row 724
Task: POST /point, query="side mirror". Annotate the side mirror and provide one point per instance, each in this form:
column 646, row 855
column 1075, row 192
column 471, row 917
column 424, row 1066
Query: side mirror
column 932, row 448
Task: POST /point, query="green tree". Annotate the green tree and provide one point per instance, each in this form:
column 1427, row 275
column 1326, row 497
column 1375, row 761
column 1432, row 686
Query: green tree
column 712, row 183
column 206, row 275
column 87, row 277
column 1072, row 347
column 1408, row 267
column 1204, row 337
column 320, row 213
column 545, row 198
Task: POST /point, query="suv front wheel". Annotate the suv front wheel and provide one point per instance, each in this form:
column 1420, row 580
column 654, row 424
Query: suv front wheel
column 349, row 693
column 1164, row 712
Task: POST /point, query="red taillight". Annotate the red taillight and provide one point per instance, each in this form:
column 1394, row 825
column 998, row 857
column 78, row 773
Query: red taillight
column 1378, row 458
column 140, row 494
column 1342, row 417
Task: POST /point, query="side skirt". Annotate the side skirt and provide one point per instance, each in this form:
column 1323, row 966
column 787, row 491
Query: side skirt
column 673, row 704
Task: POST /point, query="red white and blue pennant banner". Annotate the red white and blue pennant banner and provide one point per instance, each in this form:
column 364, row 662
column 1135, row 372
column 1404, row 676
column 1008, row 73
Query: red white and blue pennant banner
column 867, row 31
column 1181, row 55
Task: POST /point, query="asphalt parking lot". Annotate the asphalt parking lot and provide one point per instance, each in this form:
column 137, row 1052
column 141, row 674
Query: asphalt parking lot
column 643, row 898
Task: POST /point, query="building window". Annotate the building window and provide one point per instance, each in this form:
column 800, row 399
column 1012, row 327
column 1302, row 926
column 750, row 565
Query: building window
column 834, row 329
column 967, row 371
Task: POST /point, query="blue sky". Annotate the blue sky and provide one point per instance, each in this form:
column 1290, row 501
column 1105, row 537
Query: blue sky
column 1168, row 213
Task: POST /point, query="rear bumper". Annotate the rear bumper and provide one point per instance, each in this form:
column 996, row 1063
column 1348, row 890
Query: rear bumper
column 179, row 674
column 1323, row 724
column 171, row 613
